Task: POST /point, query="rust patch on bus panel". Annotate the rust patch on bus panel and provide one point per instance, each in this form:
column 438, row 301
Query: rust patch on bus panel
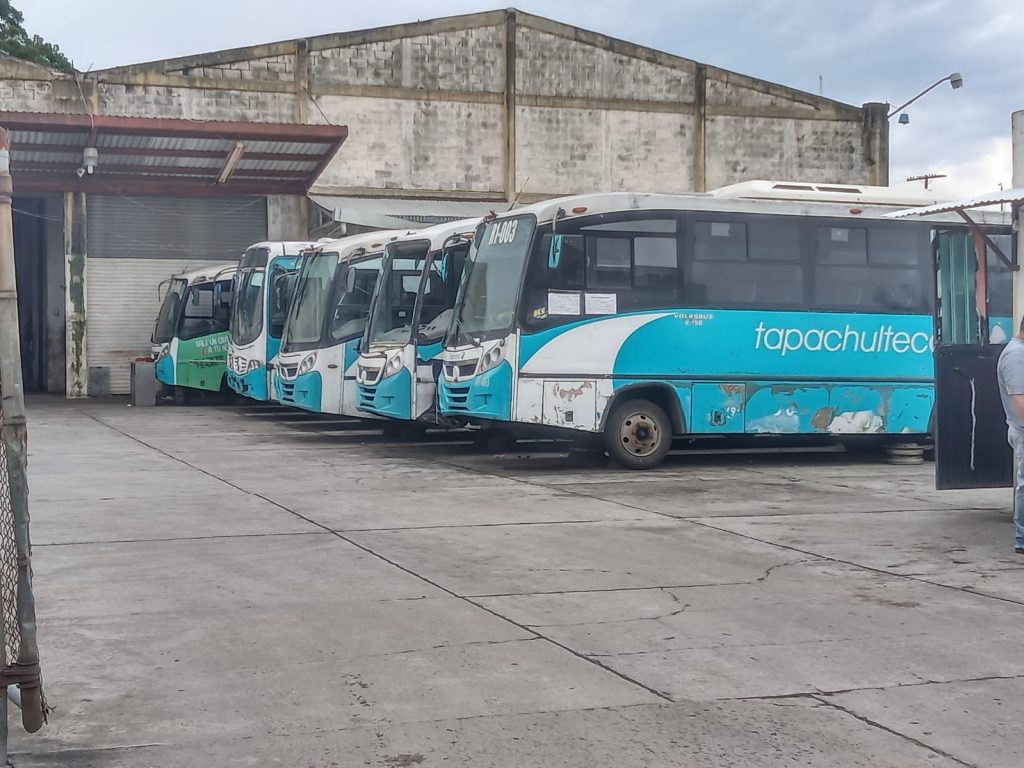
column 822, row 418
column 570, row 393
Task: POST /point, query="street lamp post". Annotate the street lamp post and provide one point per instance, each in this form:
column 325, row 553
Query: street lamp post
column 955, row 80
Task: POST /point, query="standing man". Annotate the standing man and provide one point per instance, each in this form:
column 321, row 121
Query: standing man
column 1011, row 390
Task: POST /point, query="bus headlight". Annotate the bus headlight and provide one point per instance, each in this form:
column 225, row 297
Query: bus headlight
column 491, row 358
column 307, row 364
column 393, row 366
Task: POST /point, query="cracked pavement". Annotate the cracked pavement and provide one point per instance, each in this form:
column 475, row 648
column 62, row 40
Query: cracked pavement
column 240, row 586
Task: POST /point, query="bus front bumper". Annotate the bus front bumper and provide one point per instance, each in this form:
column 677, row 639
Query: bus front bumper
column 485, row 396
column 252, row 384
column 304, row 391
column 390, row 397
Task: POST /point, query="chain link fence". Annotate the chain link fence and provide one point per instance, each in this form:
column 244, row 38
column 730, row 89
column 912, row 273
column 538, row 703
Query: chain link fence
column 8, row 558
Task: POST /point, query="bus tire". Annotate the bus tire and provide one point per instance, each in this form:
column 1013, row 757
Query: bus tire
column 638, row 434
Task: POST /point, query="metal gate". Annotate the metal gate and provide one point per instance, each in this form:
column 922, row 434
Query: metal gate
column 20, row 663
column 971, row 450
column 133, row 243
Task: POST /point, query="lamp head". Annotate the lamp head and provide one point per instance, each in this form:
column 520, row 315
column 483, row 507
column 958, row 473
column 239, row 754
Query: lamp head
column 904, row 118
column 956, row 80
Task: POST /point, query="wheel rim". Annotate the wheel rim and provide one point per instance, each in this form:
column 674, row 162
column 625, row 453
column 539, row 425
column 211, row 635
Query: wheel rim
column 640, row 435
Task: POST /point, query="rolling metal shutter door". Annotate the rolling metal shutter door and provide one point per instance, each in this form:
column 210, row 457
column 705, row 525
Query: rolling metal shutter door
column 133, row 244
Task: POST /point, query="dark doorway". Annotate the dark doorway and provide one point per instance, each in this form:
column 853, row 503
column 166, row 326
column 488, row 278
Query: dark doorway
column 30, row 230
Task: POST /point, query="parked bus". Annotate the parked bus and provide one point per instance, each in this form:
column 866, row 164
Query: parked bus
column 264, row 284
column 643, row 317
column 316, row 367
column 399, row 360
column 190, row 339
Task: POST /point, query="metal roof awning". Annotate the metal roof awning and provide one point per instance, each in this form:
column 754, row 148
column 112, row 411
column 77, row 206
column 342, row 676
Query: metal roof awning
column 137, row 155
column 960, row 207
column 980, row 201
column 402, row 213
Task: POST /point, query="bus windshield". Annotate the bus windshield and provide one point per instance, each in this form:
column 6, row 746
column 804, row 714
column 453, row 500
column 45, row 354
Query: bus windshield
column 167, row 319
column 305, row 322
column 247, row 311
column 393, row 302
column 485, row 307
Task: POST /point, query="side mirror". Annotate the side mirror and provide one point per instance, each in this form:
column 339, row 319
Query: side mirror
column 350, row 280
column 569, row 245
column 555, row 251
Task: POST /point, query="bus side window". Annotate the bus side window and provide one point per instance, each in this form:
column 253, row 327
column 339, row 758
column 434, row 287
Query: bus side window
column 756, row 263
column 609, row 263
column 634, row 257
column 198, row 318
column 878, row 269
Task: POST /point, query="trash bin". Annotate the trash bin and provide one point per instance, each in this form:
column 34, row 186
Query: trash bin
column 143, row 381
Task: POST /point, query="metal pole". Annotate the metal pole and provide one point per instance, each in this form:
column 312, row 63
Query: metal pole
column 1017, row 123
column 931, row 87
column 25, row 669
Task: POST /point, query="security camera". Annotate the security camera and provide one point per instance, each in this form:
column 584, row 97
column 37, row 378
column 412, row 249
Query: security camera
column 90, row 158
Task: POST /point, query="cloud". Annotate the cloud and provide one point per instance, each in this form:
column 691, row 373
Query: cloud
column 985, row 172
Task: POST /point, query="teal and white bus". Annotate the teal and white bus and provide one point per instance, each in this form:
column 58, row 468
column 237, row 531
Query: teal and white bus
column 264, row 285
column 399, row 359
column 644, row 317
column 190, row 337
column 316, row 367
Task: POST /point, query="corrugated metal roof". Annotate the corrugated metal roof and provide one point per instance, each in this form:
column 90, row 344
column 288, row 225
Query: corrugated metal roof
column 163, row 143
column 211, row 156
column 278, row 165
column 49, row 138
column 980, row 201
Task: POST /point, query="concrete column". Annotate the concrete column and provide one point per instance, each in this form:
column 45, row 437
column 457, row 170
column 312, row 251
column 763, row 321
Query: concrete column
column 1017, row 131
column 56, row 325
column 509, row 121
column 76, row 360
column 700, row 147
column 876, row 143
column 287, row 217
column 302, row 94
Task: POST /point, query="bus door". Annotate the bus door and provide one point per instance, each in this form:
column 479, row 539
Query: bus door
column 972, row 318
column 281, row 290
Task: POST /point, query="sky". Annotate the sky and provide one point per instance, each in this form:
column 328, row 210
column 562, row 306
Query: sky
column 868, row 50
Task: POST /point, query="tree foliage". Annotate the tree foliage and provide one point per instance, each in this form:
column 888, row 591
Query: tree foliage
column 16, row 42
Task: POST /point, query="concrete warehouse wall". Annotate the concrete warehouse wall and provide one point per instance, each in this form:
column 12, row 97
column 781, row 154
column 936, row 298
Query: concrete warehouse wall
column 485, row 105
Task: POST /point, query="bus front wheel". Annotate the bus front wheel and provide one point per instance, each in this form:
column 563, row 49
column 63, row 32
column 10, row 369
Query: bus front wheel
column 638, row 434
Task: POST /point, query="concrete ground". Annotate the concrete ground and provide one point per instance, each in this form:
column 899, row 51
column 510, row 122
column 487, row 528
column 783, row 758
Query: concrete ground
column 247, row 587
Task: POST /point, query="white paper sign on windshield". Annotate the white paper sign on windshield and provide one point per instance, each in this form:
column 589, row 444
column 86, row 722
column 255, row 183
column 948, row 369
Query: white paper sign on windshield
column 563, row 303
column 601, row 303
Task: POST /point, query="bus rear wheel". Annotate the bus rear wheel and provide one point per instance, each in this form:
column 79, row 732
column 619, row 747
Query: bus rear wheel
column 638, row 434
